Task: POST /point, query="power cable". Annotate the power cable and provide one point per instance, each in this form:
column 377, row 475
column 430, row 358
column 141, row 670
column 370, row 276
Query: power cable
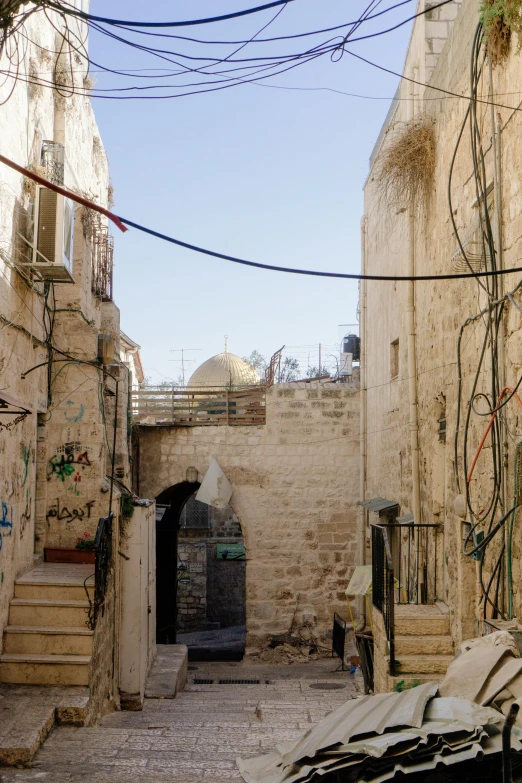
column 317, row 273
column 188, row 23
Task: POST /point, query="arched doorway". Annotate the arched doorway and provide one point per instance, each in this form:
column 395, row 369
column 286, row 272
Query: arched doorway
column 201, row 576
column 169, row 505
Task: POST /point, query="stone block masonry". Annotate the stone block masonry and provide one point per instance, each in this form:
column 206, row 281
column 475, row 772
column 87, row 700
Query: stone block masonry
column 295, row 489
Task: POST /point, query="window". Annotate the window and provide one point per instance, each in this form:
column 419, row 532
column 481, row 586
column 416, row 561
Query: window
column 195, row 515
column 394, row 359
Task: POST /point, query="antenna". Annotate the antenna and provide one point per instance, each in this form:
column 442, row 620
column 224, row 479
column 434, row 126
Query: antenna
column 183, row 360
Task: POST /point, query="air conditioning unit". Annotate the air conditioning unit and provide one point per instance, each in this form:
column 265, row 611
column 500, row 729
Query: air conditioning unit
column 52, row 247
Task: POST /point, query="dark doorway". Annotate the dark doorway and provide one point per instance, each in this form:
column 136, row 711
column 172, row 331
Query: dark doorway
column 169, row 506
column 201, row 576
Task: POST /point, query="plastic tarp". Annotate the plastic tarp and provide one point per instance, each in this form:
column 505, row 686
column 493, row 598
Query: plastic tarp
column 215, row 489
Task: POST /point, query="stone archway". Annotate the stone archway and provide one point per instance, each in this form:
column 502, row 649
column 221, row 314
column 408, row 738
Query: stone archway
column 295, row 487
column 200, row 575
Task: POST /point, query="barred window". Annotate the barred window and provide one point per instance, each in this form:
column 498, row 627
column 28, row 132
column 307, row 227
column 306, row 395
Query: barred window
column 195, row 515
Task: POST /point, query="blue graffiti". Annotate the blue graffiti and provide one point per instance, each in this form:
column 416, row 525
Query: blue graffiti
column 5, row 522
column 74, row 417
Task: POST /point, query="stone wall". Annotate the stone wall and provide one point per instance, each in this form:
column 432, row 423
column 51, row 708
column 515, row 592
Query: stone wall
column 54, row 463
column 441, row 311
column 192, row 596
column 295, row 488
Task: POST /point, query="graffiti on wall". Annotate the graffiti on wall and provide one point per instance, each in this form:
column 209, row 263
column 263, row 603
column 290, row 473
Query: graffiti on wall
column 26, row 513
column 75, row 412
column 6, row 522
column 63, row 514
column 68, row 460
column 25, row 467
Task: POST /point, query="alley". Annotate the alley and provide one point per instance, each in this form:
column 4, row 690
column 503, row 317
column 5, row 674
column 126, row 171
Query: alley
column 197, row 736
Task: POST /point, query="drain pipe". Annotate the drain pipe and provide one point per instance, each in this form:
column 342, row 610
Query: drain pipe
column 412, row 360
column 412, row 377
column 361, row 518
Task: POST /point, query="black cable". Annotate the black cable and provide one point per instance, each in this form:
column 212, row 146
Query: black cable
column 310, row 272
column 188, row 23
column 279, row 37
column 429, row 86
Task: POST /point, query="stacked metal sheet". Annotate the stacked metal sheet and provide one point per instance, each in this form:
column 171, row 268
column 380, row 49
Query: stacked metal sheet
column 378, row 738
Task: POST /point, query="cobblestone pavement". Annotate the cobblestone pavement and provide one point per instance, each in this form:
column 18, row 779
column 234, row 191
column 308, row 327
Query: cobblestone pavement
column 196, row 737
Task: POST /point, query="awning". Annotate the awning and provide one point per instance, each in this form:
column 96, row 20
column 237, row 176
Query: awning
column 7, row 401
column 378, row 504
column 407, row 519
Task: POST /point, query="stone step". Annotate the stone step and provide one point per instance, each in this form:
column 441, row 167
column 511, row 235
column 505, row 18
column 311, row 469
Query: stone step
column 438, row 625
column 57, row 591
column 423, row 645
column 422, row 664
column 44, row 669
column 47, row 640
column 47, row 612
column 406, row 682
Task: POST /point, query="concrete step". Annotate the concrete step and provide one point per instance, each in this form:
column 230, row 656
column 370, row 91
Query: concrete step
column 423, row 645
column 47, row 640
column 57, row 592
column 432, row 625
column 46, row 612
column 29, row 669
column 422, row 664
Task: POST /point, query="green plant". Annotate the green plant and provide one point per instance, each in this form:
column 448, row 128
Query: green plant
column 85, row 542
column 127, row 505
column 501, row 18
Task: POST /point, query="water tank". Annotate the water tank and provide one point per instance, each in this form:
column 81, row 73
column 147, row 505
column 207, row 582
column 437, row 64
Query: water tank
column 352, row 344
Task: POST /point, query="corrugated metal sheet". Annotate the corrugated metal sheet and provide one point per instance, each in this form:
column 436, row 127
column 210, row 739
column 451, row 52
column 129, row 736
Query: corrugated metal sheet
column 368, row 715
column 429, row 733
column 407, row 519
column 378, row 504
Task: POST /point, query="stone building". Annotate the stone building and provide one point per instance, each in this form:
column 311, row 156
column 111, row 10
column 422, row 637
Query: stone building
column 440, row 356
column 64, row 437
column 289, row 453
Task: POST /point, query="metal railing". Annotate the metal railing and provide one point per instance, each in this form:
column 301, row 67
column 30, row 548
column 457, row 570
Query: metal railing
column 415, row 559
column 103, row 563
column 102, row 261
column 383, row 586
column 185, row 407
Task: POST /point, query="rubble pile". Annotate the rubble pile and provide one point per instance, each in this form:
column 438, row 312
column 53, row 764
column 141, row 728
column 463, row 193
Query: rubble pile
column 450, row 731
column 288, row 648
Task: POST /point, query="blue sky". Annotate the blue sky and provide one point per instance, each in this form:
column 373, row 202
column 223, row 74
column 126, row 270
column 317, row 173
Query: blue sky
column 266, row 174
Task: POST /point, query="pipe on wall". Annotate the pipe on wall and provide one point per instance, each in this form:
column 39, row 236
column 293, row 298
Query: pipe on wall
column 361, row 518
column 412, row 355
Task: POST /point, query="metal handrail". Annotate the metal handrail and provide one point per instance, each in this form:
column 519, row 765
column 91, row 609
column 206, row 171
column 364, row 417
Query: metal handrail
column 103, row 564
column 383, row 586
column 413, row 548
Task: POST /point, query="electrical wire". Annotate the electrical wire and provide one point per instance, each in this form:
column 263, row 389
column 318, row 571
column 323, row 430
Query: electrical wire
column 68, row 9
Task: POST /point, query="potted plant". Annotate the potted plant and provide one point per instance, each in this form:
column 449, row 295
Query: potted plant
column 82, row 553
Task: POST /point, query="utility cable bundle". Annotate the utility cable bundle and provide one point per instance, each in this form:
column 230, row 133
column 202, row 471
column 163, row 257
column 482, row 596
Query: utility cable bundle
column 490, row 518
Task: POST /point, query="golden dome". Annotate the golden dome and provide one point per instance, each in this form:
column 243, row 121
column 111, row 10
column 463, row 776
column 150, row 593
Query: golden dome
column 224, row 370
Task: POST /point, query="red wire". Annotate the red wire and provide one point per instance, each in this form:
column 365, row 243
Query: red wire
column 64, row 192
column 494, row 416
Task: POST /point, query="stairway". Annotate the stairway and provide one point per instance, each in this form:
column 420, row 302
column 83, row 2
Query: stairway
column 423, row 644
column 47, row 641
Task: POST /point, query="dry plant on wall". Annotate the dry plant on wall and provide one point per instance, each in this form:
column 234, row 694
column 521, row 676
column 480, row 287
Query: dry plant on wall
column 407, row 166
column 501, row 18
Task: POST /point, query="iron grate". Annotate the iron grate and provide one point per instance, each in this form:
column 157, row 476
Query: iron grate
column 239, row 682
column 328, row 686
column 202, row 681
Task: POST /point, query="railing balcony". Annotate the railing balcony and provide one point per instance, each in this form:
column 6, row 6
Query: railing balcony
column 102, row 262
column 183, row 407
